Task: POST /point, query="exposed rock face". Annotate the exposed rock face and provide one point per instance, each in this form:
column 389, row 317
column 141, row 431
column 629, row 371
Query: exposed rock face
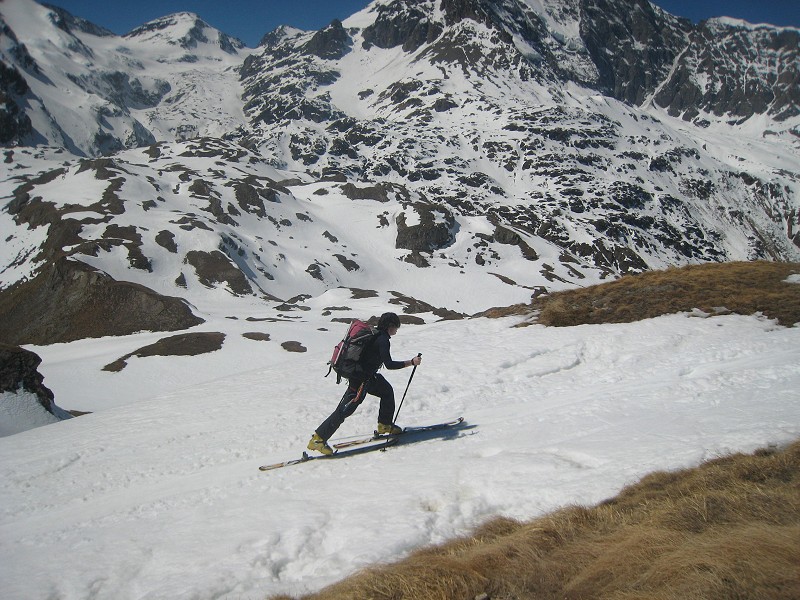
column 214, row 268
column 15, row 125
column 329, row 43
column 712, row 74
column 632, row 44
column 430, row 234
column 402, row 24
column 69, row 300
column 25, row 402
column 18, row 371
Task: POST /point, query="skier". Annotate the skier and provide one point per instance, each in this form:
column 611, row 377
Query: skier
column 366, row 380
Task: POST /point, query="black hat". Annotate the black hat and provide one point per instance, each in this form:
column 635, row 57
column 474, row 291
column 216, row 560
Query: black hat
column 387, row 320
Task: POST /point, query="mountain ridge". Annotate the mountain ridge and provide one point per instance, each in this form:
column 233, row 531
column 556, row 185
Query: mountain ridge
column 522, row 146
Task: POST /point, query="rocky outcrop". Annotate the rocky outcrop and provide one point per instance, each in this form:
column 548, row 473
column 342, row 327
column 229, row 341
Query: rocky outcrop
column 214, row 268
column 25, row 402
column 15, row 125
column 19, row 371
column 332, row 42
column 403, row 24
column 68, row 300
column 632, row 44
column 433, row 232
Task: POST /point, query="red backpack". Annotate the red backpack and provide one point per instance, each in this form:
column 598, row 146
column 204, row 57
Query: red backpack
column 347, row 353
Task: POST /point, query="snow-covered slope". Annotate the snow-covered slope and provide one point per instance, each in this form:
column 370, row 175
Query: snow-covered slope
column 162, row 497
column 93, row 92
column 21, row 411
column 423, row 148
column 506, row 110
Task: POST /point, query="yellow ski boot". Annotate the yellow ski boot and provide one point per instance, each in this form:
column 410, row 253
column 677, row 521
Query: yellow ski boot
column 389, row 429
column 319, row 445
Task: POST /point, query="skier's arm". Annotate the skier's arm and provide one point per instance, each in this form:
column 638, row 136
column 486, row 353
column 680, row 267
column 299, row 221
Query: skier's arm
column 386, row 355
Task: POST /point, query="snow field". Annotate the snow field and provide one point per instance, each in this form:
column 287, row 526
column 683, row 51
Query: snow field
column 159, row 495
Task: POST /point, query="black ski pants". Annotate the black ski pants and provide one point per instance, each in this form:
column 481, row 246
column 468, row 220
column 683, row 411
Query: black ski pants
column 355, row 393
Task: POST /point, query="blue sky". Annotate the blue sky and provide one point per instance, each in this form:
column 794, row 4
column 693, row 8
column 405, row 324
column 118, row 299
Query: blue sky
column 249, row 20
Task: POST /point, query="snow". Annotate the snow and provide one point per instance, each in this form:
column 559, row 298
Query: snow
column 742, row 24
column 20, row 411
column 158, row 494
column 203, row 95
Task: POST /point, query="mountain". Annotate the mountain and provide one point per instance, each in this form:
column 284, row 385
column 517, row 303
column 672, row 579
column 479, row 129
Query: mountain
column 734, row 70
column 84, row 89
column 418, row 151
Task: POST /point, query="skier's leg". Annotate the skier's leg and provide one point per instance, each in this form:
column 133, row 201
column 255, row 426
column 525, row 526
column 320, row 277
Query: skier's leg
column 347, row 406
column 378, row 386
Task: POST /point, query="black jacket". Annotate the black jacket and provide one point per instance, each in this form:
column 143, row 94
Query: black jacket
column 378, row 353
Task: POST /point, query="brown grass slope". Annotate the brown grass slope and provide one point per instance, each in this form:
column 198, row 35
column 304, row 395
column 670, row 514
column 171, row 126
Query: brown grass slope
column 740, row 287
column 729, row 528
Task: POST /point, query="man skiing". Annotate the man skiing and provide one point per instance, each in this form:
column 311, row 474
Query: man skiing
column 366, row 380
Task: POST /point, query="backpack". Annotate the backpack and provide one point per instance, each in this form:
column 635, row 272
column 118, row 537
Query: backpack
column 347, row 353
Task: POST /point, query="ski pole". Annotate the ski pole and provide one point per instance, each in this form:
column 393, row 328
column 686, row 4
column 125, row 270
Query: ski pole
column 414, row 370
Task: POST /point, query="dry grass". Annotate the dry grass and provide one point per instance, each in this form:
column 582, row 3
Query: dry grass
column 740, row 287
column 727, row 529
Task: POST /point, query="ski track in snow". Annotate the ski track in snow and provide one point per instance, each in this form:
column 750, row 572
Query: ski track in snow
column 162, row 497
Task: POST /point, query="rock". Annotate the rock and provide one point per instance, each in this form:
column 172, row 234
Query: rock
column 18, row 369
column 401, row 24
column 25, row 402
column 257, row 336
column 725, row 71
column 214, row 267
column 186, row 344
column 428, row 235
column 69, row 300
column 332, row 42
column 293, row 347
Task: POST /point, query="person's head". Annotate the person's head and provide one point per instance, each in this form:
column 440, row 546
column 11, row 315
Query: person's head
column 389, row 322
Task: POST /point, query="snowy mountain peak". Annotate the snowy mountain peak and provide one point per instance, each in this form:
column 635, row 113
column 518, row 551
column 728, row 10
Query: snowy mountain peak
column 280, row 34
column 69, row 23
column 171, row 79
column 186, row 30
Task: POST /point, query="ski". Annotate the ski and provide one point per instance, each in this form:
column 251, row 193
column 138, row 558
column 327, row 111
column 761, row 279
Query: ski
column 306, row 457
column 413, row 429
